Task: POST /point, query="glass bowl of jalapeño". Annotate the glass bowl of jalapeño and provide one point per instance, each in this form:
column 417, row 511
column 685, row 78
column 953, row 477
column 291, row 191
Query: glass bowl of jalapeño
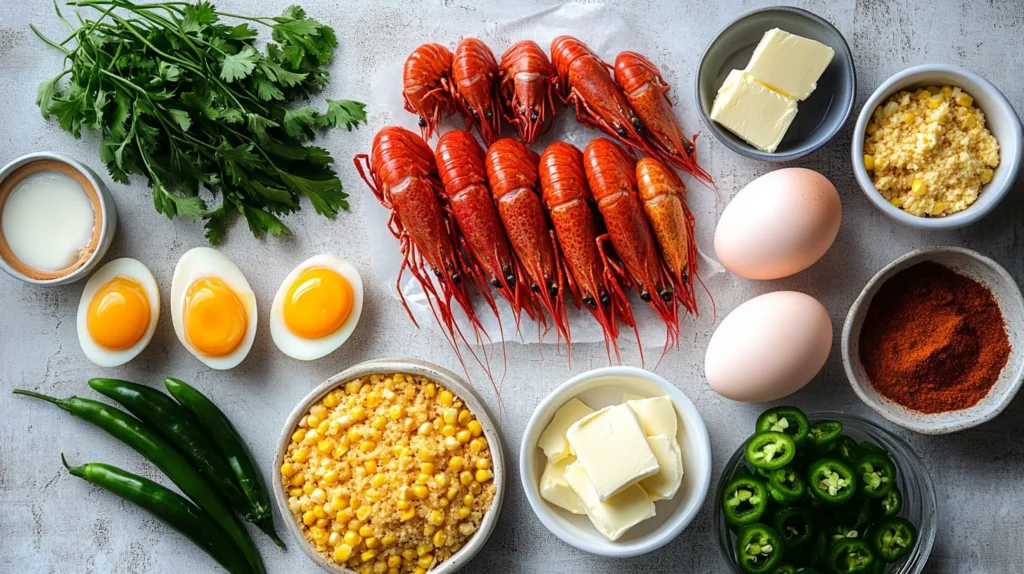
column 825, row 493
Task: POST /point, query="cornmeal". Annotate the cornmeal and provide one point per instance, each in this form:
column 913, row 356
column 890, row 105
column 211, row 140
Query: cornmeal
column 929, row 152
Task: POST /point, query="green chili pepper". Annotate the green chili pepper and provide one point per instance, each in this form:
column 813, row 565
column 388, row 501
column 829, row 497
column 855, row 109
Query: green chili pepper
column 175, row 424
column 822, row 436
column 891, row 503
column 847, row 449
column 167, row 458
column 170, row 507
column 877, row 475
column 789, row 420
column 850, row 556
column 770, row 450
column 786, row 486
column 832, row 481
column 892, row 538
column 796, row 526
column 758, row 549
column 784, row 568
column 232, row 447
column 744, row 500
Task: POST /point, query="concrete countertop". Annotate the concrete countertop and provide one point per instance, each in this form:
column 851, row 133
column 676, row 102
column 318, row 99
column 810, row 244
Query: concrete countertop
column 52, row 522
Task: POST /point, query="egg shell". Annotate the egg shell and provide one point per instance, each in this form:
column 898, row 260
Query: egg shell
column 203, row 262
column 123, row 267
column 304, row 349
column 779, row 224
column 769, row 347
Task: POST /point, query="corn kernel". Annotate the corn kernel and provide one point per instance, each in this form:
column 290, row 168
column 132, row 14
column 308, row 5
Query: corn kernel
column 419, row 491
column 450, row 416
column 869, row 162
column 455, row 463
column 352, row 538
column 475, row 488
column 466, row 529
column 466, row 477
column 388, row 540
column 380, row 423
column 451, row 443
column 986, row 175
column 441, row 479
column 424, row 428
column 970, row 121
column 296, row 492
column 483, row 464
column 963, row 99
column 922, row 94
column 368, row 555
column 308, row 518
column 477, row 445
column 394, row 561
column 917, row 187
column 938, row 208
column 321, row 523
column 363, row 511
column 334, row 539
column 402, row 504
column 422, row 478
column 935, row 101
column 426, row 454
column 378, row 480
column 366, row 531
column 409, row 554
column 287, row 469
column 423, row 549
column 436, row 517
column 358, row 414
column 475, row 427
column 463, row 512
column 419, row 570
column 908, row 118
column 367, row 446
column 463, row 436
column 352, row 386
column 430, row 390
column 448, row 430
column 889, row 108
column 425, row 561
column 442, row 502
column 934, row 90
column 439, row 538
column 372, row 542
column 396, row 412
column 872, row 128
column 484, row 475
column 308, row 488
column 298, row 435
column 427, row 467
column 407, row 515
column 318, row 496
column 312, row 421
column 446, row 398
column 330, row 401
column 453, row 491
column 343, row 552
column 948, row 90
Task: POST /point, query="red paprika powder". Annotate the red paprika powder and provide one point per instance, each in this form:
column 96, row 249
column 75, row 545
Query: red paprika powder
column 933, row 340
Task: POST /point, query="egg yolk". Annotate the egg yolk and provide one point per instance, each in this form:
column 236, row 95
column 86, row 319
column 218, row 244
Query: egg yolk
column 317, row 303
column 215, row 319
column 118, row 314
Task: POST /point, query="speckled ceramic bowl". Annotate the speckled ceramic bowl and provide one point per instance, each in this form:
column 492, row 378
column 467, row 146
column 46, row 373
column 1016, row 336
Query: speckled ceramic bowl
column 1011, row 303
column 415, row 367
column 1000, row 119
column 818, row 118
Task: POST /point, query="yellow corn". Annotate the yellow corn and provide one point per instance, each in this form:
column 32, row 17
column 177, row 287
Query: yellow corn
column 423, row 549
column 446, row 398
column 986, row 175
column 484, row 475
column 312, row 421
column 298, row 435
column 934, row 90
column 425, row 561
column 367, row 446
column 396, row 412
column 352, row 538
column 946, row 90
column 330, row 401
column 424, row 428
column 872, row 128
column 422, row 478
column 451, row 443
column 455, row 463
column 425, row 454
column 363, row 511
column 463, row 436
column 475, row 488
column 394, row 561
column 439, row 538
column 466, row 529
column 368, row 555
column 296, row 492
column 419, row 491
column 466, row 477
column 963, row 99
column 358, row 414
column 922, row 94
column 938, row 208
column 477, row 445
column 427, row 467
column 436, row 517
column 308, row 518
column 917, row 187
column 869, row 162
column 483, row 464
column 430, row 390
column 463, row 512
column 402, row 505
column 908, row 118
column 441, row 479
column 287, row 469
column 475, row 427
column 343, row 552
column 934, row 102
column 366, row 531
column 407, row 515
column 409, row 554
column 448, row 430
column 970, row 121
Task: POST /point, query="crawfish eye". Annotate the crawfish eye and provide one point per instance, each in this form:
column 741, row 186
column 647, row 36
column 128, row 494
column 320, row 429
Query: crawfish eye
column 553, row 291
column 510, row 278
column 533, row 116
column 423, row 123
column 645, row 296
column 535, row 288
column 456, row 278
column 622, row 131
column 605, row 299
column 666, row 295
column 637, row 125
column 488, row 114
column 496, row 283
column 589, row 301
column 438, row 274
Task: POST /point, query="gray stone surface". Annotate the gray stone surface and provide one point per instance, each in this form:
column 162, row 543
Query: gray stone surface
column 51, row 522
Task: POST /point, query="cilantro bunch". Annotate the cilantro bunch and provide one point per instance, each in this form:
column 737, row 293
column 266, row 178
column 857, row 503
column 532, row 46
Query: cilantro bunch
column 189, row 102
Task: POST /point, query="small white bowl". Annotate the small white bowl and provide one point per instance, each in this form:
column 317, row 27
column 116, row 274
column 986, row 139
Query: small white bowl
column 1000, row 119
column 1007, row 295
column 600, row 388
column 454, row 383
column 108, row 216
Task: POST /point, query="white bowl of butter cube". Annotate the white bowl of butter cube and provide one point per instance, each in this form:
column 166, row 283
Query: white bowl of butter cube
column 616, row 461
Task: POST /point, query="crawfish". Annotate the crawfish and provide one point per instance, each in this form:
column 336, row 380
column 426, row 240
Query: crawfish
column 512, row 173
column 611, row 173
column 567, row 198
column 584, row 80
column 460, row 162
column 400, row 172
column 664, row 199
column 527, row 87
column 647, row 93
column 427, row 85
column 475, row 75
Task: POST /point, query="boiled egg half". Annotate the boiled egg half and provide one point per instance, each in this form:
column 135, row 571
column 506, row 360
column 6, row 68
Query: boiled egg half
column 213, row 308
column 317, row 307
column 118, row 312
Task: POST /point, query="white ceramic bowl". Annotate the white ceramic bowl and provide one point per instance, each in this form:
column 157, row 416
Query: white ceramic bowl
column 600, row 388
column 1011, row 303
column 1000, row 119
column 415, row 367
column 108, row 216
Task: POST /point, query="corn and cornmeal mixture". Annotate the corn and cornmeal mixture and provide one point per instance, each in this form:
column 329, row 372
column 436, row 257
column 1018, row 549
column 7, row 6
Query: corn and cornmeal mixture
column 929, row 152
column 389, row 473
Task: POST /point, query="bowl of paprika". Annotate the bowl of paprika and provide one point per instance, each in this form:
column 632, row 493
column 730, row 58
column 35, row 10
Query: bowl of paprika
column 933, row 342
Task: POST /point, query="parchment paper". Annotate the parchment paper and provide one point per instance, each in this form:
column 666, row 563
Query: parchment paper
column 603, row 29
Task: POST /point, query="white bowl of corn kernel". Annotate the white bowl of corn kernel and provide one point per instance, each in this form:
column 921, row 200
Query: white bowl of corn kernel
column 937, row 147
column 393, row 465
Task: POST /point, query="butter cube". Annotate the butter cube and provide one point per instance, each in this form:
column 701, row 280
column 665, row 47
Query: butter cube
column 657, row 415
column 611, row 446
column 665, row 484
column 788, row 63
column 553, row 441
column 554, row 488
column 753, row 111
column 616, row 515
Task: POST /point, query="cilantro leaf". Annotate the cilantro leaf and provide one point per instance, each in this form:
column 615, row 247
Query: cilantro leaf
column 240, row 65
column 344, row 114
column 44, row 96
column 299, row 121
column 181, row 118
column 198, row 17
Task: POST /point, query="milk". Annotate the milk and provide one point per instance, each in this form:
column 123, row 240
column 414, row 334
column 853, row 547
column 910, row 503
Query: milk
column 47, row 219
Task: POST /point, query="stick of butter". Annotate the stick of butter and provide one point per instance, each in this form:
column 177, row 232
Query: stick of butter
column 555, row 489
column 553, row 441
column 616, row 515
column 753, row 111
column 665, row 484
column 657, row 415
column 788, row 63
column 611, row 446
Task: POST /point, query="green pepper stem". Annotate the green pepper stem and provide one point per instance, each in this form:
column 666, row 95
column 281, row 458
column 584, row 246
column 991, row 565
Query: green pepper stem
column 59, row 402
column 267, row 526
column 74, row 470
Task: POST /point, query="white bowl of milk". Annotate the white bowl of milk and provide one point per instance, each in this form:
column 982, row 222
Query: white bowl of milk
column 57, row 219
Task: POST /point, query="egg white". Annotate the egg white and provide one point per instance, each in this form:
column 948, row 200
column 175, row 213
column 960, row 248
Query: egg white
column 131, row 269
column 204, row 262
column 309, row 349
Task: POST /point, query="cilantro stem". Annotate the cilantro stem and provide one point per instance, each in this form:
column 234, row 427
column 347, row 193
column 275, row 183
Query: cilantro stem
column 48, row 41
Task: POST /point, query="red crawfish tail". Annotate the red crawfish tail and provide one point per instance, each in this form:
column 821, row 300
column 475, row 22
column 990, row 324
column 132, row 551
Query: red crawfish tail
column 527, row 88
column 512, row 173
column 611, row 174
column 567, row 199
column 664, row 199
column 585, row 81
column 475, row 82
column 400, row 171
column 427, row 85
column 460, row 162
column 647, row 93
